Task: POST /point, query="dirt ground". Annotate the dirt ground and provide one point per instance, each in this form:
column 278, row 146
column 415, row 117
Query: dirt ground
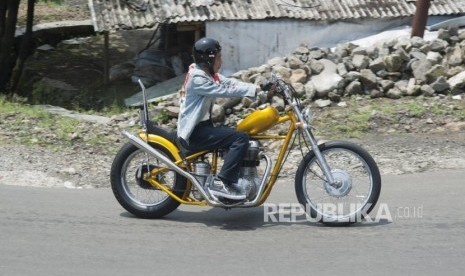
column 409, row 145
column 87, row 167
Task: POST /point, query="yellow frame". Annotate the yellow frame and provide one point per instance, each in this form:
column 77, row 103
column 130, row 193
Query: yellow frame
column 173, row 149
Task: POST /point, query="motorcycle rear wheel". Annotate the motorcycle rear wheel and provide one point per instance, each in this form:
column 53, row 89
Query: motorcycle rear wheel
column 352, row 197
column 135, row 194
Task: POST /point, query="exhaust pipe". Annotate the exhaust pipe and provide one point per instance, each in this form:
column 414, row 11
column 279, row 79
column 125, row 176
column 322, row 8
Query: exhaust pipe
column 136, row 141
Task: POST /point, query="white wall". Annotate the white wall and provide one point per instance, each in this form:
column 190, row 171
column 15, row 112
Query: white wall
column 252, row 43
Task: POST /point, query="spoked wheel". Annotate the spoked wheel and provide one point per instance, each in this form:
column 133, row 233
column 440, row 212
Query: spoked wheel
column 137, row 195
column 356, row 187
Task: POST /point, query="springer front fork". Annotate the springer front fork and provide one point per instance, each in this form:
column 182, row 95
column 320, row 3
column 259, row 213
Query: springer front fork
column 319, row 156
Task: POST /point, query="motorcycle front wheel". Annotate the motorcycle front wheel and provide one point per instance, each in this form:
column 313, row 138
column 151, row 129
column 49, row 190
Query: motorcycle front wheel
column 137, row 195
column 356, row 187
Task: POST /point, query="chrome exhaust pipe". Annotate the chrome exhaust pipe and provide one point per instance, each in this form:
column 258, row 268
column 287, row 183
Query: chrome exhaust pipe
column 136, row 141
column 141, row 144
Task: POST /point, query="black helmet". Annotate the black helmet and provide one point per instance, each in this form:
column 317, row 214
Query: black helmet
column 205, row 51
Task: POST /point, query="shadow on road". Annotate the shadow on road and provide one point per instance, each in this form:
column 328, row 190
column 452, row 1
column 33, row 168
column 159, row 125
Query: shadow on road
column 248, row 219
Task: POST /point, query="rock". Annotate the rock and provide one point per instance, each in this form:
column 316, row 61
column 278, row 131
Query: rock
column 394, row 93
column 447, row 34
column 317, row 53
column 413, row 90
column 360, row 51
column 454, row 71
column 342, row 104
column 276, row 61
column 342, row 50
column 393, row 63
column 246, row 102
column 438, row 45
column 299, row 89
column 454, row 56
column 354, row 88
column 241, row 75
column 375, row 93
column 322, row 103
column 402, row 54
column 434, row 57
column 440, row 85
column 377, row 65
column 294, row 62
column 302, row 50
column 360, row 61
column 417, row 42
column 228, row 102
column 173, row 111
column 368, row 79
column 298, row 75
column 425, row 48
column 417, row 54
column 328, row 80
column 353, row 75
column 316, row 66
column 427, row 90
column 45, row 48
column 54, row 92
column 341, row 69
column 457, row 81
column 278, row 103
column 461, row 36
column 420, row 68
column 386, row 85
column 310, row 91
column 283, row 72
column 435, row 72
column 402, row 85
column 218, row 113
column 334, row 96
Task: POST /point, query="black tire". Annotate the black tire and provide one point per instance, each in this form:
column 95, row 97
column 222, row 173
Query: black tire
column 359, row 187
column 129, row 188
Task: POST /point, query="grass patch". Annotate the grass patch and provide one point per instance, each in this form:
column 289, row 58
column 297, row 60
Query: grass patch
column 346, row 122
column 34, row 125
column 357, row 123
column 416, row 109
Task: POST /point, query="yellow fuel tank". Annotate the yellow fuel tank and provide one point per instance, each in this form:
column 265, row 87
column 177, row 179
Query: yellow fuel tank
column 259, row 121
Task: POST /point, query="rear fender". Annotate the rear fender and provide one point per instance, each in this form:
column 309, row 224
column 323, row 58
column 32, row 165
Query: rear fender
column 163, row 142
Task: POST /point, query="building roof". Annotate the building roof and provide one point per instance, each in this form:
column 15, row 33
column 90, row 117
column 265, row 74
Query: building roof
column 135, row 14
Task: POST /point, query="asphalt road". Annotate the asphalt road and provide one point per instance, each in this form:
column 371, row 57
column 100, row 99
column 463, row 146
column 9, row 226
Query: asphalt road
column 52, row 231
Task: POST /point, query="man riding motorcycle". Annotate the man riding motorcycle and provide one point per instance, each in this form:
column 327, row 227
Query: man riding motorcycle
column 203, row 84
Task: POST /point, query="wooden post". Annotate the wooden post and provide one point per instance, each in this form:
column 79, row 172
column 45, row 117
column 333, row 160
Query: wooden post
column 420, row 18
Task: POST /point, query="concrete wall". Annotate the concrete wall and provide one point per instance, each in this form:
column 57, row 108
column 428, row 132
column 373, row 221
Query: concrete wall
column 251, row 43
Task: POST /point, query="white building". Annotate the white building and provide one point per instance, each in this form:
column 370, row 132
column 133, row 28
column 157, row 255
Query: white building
column 252, row 32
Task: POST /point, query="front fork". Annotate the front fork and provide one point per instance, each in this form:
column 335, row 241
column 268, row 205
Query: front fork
column 319, row 156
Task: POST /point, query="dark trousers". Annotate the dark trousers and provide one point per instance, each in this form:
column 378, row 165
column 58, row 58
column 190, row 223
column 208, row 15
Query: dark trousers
column 206, row 137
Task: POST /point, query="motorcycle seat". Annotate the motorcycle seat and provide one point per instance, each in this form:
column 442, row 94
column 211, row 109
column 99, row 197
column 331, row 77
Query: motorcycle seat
column 153, row 128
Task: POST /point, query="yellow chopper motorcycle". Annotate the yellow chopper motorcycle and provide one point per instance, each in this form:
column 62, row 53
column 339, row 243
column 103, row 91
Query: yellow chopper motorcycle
column 152, row 174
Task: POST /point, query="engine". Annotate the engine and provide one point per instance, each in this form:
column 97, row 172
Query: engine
column 248, row 174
